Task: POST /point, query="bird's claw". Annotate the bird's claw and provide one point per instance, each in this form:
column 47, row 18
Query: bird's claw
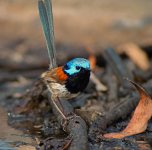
column 68, row 118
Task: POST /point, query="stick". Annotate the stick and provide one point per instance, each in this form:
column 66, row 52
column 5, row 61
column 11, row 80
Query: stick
column 117, row 66
column 75, row 126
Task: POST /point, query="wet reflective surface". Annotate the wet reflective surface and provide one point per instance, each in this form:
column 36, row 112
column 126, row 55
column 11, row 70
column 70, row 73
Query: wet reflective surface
column 10, row 138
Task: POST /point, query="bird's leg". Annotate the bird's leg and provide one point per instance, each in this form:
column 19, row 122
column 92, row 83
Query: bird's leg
column 62, row 109
column 68, row 116
column 65, row 118
column 57, row 107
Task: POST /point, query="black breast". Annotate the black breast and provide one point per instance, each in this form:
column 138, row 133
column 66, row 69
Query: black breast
column 78, row 82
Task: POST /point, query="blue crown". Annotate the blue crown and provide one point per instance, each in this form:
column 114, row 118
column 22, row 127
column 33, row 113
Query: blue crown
column 75, row 65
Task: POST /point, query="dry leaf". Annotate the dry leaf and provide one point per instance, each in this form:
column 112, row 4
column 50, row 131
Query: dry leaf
column 91, row 58
column 136, row 54
column 140, row 118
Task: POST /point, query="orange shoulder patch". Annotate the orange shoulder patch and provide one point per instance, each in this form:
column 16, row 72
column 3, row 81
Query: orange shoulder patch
column 60, row 74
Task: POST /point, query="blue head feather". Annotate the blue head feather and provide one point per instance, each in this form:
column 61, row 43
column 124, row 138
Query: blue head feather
column 75, row 65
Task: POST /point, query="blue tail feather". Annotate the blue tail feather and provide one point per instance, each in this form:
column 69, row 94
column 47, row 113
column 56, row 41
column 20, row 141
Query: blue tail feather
column 46, row 17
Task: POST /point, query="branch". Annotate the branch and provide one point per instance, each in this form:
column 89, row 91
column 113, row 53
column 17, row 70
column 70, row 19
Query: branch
column 120, row 111
column 75, row 126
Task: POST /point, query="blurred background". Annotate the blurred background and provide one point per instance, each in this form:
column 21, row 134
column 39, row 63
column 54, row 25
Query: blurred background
column 97, row 24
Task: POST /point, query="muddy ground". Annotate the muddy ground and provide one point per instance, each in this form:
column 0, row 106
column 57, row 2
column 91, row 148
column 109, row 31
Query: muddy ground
column 26, row 116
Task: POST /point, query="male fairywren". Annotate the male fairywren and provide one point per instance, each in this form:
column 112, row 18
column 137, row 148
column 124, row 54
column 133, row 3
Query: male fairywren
column 67, row 81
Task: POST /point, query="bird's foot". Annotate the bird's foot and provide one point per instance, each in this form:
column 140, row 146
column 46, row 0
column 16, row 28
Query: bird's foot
column 69, row 117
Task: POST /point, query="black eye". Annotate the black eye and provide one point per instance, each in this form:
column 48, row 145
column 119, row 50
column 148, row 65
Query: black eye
column 66, row 67
column 78, row 68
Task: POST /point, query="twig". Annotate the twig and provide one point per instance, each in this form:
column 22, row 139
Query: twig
column 75, row 126
column 117, row 66
column 99, row 86
column 112, row 86
column 121, row 110
column 140, row 118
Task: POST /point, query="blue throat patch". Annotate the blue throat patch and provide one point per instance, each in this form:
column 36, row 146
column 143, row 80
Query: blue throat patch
column 74, row 66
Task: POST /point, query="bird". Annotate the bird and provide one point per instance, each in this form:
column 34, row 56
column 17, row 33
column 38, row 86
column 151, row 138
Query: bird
column 67, row 81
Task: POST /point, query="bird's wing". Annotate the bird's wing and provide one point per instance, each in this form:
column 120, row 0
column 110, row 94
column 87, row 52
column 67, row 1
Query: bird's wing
column 46, row 17
column 55, row 75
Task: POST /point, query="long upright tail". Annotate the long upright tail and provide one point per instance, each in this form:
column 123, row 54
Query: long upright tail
column 46, row 17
